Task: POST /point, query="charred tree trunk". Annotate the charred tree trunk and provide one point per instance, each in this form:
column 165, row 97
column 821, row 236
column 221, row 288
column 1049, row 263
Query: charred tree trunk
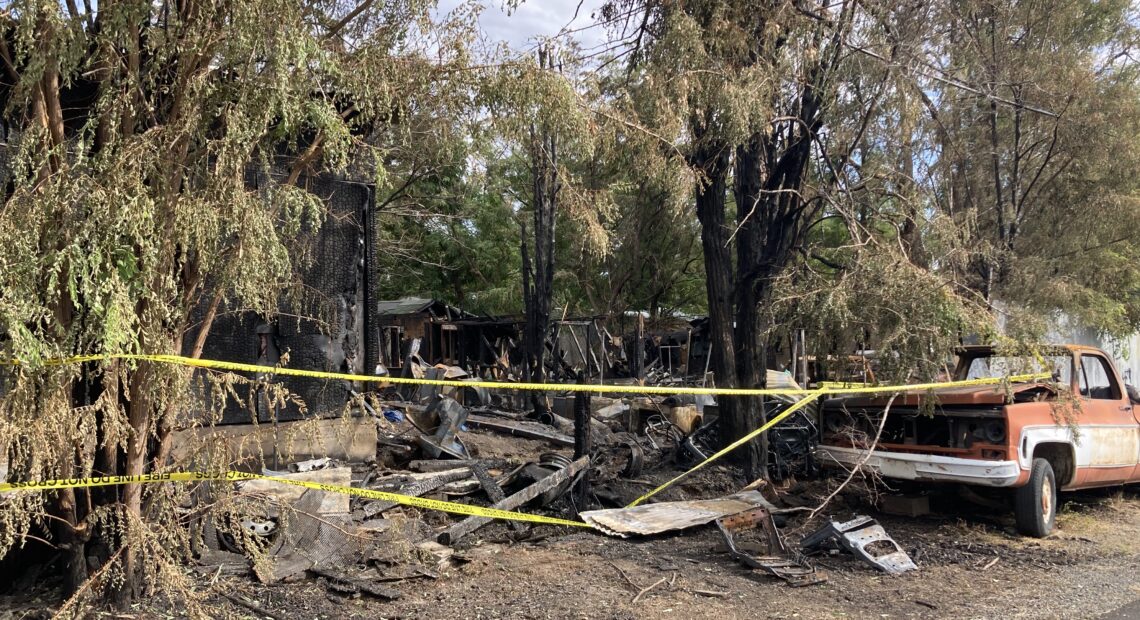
column 770, row 169
column 538, row 279
column 583, row 442
column 769, row 177
column 712, row 160
column 749, row 366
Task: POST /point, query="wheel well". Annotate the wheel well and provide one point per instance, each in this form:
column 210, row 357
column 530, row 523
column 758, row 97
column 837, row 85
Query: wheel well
column 1060, row 457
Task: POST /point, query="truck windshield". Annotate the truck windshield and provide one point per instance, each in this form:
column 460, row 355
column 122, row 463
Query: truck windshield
column 997, row 366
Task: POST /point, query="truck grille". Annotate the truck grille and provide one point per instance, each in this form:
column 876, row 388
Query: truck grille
column 965, row 428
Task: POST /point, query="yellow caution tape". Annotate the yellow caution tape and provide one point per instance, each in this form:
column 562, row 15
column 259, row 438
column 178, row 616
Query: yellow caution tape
column 233, row 476
column 545, row 387
column 809, row 397
column 847, row 388
column 840, row 385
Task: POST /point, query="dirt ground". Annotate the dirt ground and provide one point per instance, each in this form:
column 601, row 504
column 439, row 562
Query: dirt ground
column 1089, row 567
column 971, row 565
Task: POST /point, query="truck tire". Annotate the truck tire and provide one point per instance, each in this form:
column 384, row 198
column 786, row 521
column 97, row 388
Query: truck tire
column 1035, row 504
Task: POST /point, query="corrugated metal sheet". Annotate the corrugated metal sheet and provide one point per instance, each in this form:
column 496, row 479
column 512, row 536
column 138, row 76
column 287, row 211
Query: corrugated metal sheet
column 404, row 305
column 668, row 516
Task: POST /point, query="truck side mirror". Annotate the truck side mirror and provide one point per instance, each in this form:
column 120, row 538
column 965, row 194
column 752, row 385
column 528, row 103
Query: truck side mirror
column 1133, row 394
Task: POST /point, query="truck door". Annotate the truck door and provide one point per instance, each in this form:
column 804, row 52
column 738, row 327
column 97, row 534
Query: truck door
column 1109, row 434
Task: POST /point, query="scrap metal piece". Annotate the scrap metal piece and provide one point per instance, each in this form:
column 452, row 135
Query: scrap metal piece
column 636, row 457
column 778, row 560
column 549, row 463
column 520, row 429
column 309, row 538
column 430, row 391
column 793, row 442
column 452, row 415
column 482, row 394
column 866, row 539
column 701, row 443
column 668, row 516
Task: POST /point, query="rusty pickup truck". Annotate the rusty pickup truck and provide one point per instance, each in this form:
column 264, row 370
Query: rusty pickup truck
column 1076, row 430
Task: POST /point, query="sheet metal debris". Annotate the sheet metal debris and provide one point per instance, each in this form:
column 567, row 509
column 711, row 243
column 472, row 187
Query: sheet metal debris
column 308, row 539
column 451, row 416
column 529, row 430
column 669, row 516
column 775, row 557
column 866, row 539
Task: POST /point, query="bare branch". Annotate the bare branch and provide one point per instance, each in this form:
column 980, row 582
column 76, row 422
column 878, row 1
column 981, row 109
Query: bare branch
column 335, row 29
column 859, row 465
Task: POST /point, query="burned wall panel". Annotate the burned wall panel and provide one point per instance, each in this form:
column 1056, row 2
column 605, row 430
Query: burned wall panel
column 324, row 325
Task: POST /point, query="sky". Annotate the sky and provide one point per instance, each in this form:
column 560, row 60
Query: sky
column 535, row 18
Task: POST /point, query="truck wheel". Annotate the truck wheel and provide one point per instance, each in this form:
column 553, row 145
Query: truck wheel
column 1035, row 504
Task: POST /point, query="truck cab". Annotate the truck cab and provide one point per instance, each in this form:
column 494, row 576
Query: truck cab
column 1076, row 429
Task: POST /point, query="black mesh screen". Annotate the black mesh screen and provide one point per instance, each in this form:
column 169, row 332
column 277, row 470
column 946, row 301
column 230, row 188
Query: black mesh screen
column 322, row 326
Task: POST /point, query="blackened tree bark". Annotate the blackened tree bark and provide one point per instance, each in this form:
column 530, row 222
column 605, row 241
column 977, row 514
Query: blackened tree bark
column 770, row 170
column 538, row 275
column 770, row 224
column 796, row 47
column 712, row 160
column 749, row 367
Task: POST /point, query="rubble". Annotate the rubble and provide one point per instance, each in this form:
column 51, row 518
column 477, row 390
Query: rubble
column 345, row 583
column 502, row 450
column 447, row 416
column 776, row 558
column 531, row 430
column 548, row 483
column 416, row 488
column 792, row 442
column 308, row 537
column 311, row 465
column 427, row 466
column 866, row 539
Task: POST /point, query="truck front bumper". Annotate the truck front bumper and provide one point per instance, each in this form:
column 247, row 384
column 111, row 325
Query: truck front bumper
column 906, row 466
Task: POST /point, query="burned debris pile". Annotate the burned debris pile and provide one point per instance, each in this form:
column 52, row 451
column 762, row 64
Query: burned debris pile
column 580, row 456
column 363, row 490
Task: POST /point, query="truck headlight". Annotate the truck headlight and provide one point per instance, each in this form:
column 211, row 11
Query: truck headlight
column 995, row 431
column 836, row 421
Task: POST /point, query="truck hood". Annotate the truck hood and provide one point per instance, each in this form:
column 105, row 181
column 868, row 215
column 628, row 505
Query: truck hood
column 970, row 395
